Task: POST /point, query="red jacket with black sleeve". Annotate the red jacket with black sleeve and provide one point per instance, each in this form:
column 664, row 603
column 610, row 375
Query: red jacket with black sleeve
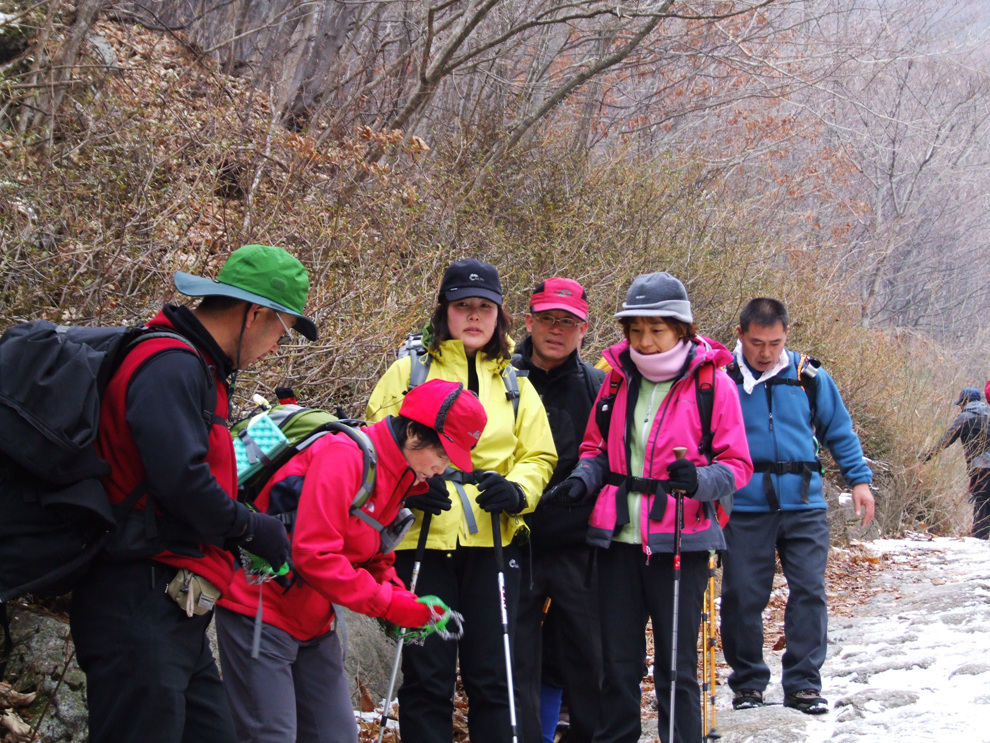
column 162, row 429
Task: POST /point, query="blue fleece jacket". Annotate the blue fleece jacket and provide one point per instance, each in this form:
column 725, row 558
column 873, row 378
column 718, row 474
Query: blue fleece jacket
column 787, row 436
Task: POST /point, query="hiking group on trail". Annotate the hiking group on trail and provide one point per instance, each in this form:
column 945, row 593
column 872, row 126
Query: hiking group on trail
column 516, row 513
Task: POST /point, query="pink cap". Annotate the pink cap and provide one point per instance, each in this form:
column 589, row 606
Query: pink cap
column 560, row 294
column 453, row 412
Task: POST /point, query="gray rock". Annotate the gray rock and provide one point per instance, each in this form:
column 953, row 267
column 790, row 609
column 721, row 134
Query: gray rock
column 857, row 706
column 43, row 659
column 971, row 669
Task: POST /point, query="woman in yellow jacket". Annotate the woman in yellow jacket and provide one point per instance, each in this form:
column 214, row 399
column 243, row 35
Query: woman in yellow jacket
column 467, row 341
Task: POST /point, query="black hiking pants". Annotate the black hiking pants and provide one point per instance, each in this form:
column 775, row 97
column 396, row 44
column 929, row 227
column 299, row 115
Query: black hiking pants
column 569, row 643
column 979, row 493
column 466, row 579
column 631, row 592
column 150, row 673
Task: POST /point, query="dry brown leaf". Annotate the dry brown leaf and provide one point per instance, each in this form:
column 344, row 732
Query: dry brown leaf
column 18, row 730
column 367, row 703
column 11, row 698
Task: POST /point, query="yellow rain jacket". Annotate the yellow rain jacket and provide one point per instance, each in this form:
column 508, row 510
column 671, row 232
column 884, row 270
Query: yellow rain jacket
column 518, row 447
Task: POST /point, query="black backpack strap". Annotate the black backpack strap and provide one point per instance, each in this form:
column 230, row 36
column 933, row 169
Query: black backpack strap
column 208, row 413
column 807, row 379
column 805, row 469
column 419, row 360
column 593, row 379
column 511, row 380
column 603, row 410
column 704, row 392
column 646, row 485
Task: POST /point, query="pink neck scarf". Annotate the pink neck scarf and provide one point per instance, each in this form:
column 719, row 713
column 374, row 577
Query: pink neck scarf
column 663, row 366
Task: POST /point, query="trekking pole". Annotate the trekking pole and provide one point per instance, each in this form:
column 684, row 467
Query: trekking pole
column 711, row 733
column 500, row 564
column 424, row 530
column 679, row 452
column 706, row 630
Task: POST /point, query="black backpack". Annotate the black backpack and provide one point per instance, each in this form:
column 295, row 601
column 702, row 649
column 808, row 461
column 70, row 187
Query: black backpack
column 55, row 515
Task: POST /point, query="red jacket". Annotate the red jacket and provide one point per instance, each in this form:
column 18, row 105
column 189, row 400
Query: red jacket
column 186, row 464
column 337, row 556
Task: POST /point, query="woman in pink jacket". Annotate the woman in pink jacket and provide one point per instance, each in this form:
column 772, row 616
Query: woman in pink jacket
column 296, row 690
column 648, row 406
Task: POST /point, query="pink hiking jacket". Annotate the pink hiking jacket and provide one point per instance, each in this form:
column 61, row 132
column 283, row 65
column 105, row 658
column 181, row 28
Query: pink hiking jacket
column 604, row 465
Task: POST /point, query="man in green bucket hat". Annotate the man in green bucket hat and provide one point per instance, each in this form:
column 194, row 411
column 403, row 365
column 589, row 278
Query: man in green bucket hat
column 139, row 617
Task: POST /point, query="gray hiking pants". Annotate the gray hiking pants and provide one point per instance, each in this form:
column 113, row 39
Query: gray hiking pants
column 800, row 539
column 293, row 691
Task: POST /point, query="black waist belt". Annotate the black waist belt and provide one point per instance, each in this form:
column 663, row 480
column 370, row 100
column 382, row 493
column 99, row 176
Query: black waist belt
column 646, row 485
column 805, row 469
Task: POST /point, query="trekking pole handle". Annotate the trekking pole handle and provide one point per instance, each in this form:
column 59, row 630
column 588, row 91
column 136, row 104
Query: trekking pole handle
column 680, row 452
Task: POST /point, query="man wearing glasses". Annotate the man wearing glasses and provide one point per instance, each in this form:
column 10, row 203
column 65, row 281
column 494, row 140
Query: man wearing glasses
column 151, row 677
column 557, row 644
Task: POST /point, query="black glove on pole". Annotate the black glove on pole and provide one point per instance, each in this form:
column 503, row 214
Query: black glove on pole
column 569, row 492
column 433, row 501
column 682, row 476
column 496, row 494
column 266, row 537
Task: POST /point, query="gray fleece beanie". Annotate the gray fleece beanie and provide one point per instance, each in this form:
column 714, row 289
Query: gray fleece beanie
column 657, row 295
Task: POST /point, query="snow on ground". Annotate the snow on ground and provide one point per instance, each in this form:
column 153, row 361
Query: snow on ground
column 911, row 664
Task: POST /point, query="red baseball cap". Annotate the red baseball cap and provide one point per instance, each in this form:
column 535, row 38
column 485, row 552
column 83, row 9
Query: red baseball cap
column 560, row 294
column 453, row 412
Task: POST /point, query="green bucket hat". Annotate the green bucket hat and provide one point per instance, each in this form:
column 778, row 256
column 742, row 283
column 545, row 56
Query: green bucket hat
column 260, row 274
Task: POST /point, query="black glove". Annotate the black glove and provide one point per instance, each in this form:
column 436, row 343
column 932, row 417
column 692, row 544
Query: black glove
column 682, row 476
column 498, row 494
column 569, row 492
column 434, row 500
column 266, row 537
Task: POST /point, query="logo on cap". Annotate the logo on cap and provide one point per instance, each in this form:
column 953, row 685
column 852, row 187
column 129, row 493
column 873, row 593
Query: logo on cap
column 475, row 277
column 563, row 293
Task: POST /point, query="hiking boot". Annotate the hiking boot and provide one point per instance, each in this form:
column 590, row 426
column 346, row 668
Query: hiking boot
column 809, row 701
column 747, row 699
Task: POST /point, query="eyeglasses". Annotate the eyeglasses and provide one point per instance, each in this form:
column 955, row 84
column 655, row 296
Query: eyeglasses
column 286, row 337
column 567, row 323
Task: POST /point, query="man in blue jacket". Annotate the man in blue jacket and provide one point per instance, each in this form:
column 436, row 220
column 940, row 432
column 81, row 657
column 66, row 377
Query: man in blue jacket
column 790, row 406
